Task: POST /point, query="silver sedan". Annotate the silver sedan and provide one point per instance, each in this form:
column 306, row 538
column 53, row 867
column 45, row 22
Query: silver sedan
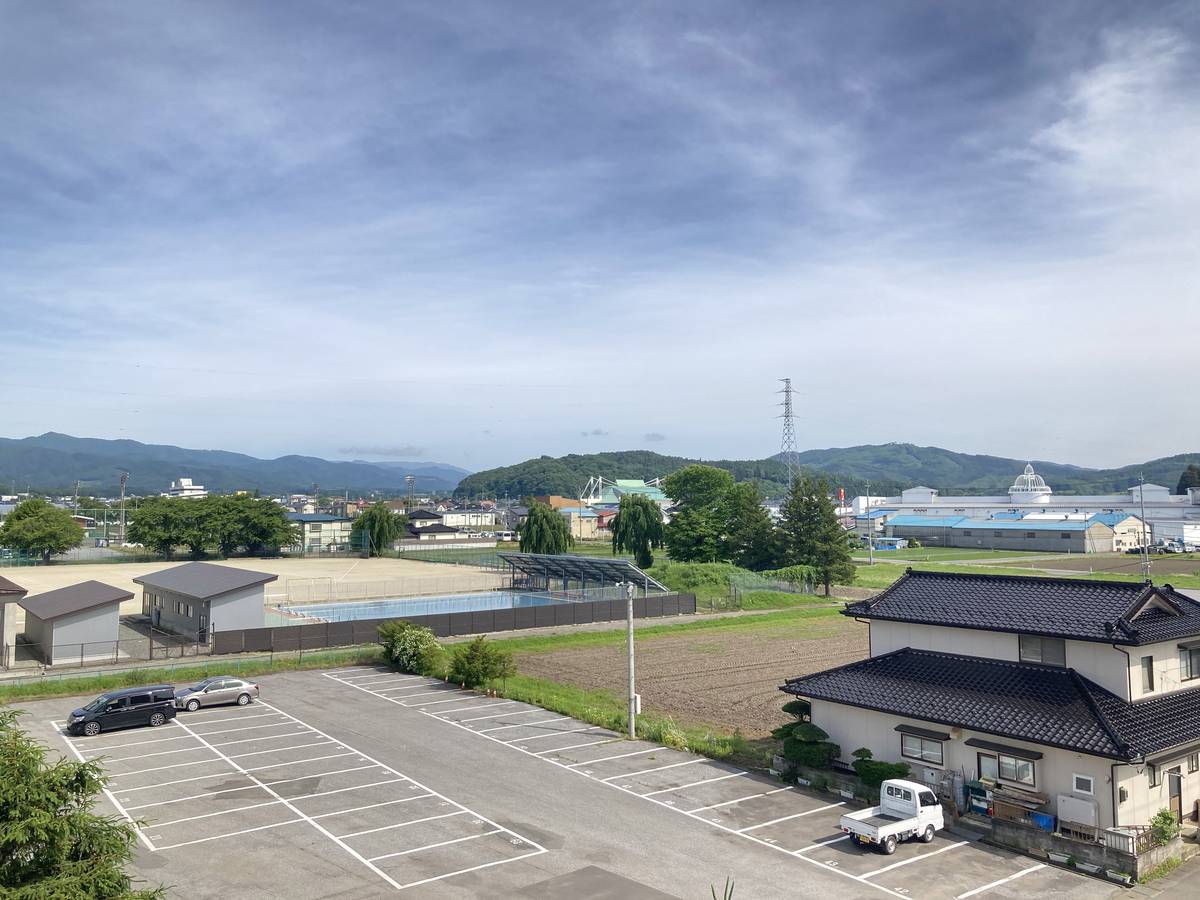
column 215, row 691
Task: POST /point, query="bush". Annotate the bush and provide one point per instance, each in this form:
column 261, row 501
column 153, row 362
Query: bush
column 1163, row 826
column 814, row 754
column 874, row 772
column 407, row 646
column 801, row 709
column 478, row 662
column 808, row 732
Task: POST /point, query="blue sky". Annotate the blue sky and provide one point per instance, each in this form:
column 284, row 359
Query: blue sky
column 479, row 232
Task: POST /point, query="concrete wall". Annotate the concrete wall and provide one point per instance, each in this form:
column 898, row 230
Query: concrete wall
column 36, row 631
column 1026, row 837
column 851, row 728
column 1096, row 539
column 1095, row 661
column 238, row 609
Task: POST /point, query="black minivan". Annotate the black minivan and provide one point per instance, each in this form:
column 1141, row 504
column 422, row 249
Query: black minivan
column 152, row 705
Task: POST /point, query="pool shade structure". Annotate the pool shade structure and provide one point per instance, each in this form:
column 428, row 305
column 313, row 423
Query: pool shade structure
column 553, row 572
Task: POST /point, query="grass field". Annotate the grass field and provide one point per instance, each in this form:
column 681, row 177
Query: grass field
column 933, row 554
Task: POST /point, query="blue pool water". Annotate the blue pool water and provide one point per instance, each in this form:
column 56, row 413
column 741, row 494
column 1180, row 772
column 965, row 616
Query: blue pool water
column 419, row 606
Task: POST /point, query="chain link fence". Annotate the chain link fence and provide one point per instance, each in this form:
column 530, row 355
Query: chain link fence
column 137, row 641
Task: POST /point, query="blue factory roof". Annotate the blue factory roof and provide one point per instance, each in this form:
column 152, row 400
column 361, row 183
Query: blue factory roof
column 876, row 513
column 1110, row 518
column 928, row 521
column 1027, row 524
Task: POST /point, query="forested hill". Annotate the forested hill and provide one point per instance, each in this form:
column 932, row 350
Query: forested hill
column 888, row 467
column 967, row 473
column 54, row 462
column 567, row 475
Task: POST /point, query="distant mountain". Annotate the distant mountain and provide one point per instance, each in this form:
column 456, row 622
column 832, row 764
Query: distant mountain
column 966, row 473
column 567, row 475
column 888, row 467
column 54, row 462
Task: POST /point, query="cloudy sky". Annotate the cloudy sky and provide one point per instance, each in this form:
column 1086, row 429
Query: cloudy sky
column 479, row 232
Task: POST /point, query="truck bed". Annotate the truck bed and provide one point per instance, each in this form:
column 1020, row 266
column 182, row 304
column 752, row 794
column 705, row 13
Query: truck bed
column 880, row 819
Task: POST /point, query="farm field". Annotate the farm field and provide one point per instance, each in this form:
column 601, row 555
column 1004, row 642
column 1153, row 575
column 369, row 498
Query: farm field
column 934, row 554
column 726, row 676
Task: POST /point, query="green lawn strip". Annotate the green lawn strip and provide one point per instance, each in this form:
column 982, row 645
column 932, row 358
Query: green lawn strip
column 923, row 554
column 101, row 682
column 604, row 709
column 792, row 619
column 781, row 600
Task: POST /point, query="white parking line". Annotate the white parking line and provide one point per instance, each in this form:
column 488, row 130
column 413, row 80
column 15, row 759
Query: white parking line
column 816, row 844
column 297, row 762
column 458, row 812
column 202, row 762
column 270, row 737
column 913, row 859
column 469, row 696
column 498, row 862
column 523, row 724
column 156, row 753
column 246, row 787
column 523, row 712
column 198, row 718
column 739, row 800
column 584, row 773
column 577, row 746
column 179, row 737
column 229, row 834
column 592, row 762
column 410, row 687
column 492, row 705
column 999, row 881
column 807, row 812
column 282, row 749
column 244, row 728
column 692, row 784
column 690, row 762
column 342, row 812
column 538, row 737
column 120, row 809
column 470, row 837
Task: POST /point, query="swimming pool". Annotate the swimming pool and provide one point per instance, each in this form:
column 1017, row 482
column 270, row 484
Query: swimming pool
column 398, row 608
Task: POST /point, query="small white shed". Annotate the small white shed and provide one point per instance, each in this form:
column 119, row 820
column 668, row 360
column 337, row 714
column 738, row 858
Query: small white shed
column 75, row 623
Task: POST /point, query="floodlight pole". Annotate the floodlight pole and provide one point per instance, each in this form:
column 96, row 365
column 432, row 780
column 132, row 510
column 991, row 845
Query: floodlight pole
column 630, row 590
column 870, row 529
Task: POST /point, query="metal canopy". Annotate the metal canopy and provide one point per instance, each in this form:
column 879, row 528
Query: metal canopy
column 580, row 568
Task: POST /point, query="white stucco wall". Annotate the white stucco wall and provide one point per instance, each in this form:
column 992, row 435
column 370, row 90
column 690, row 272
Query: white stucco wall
column 1095, row 661
column 851, row 728
column 1166, row 669
column 237, row 609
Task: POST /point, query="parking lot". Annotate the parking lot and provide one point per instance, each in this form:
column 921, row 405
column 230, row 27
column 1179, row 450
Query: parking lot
column 360, row 782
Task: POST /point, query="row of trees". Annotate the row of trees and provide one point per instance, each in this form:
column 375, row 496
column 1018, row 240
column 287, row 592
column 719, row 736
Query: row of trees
column 223, row 523
column 718, row 520
column 40, row 528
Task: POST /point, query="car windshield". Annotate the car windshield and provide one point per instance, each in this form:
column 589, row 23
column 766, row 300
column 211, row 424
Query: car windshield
column 97, row 704
column 201, row 685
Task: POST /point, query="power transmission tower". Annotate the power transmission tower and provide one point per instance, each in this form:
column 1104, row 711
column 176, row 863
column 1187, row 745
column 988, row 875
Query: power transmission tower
column 787, row 447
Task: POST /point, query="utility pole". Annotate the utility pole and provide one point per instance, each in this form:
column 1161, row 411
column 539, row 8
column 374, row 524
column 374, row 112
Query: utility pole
column 124, row 479
column 1145, row 540
column 630, row 590
column 76, row 495
column 787, row 446
column 870, row 529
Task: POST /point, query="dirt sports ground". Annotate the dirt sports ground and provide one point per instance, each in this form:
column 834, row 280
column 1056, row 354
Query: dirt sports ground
column 724, row 677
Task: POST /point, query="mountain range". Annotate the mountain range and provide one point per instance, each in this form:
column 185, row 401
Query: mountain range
column 888, row 467
column 53, row 462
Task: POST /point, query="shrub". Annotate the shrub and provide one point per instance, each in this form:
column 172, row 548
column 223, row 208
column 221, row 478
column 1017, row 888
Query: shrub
column 478, row 662
column 808, row 732
column 814, row 754
column 407, row 646
column 819, row 783
column 874, row 772
column 1163, row 826
column 801, row 709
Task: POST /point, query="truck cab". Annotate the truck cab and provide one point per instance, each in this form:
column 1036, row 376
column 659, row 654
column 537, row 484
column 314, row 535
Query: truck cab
column 906, row 810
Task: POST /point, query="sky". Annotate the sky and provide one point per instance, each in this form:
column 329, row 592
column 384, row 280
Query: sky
column 481, row 232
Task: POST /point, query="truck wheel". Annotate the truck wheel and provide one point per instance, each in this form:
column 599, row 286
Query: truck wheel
column 889, row 845
column 927, row 835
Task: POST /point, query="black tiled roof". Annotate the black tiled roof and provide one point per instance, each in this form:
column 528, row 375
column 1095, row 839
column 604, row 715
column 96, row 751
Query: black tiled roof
column 1076, row 608
column 1157, row 723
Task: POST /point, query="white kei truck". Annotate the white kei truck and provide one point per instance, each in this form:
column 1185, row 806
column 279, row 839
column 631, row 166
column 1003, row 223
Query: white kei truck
column 906, row 810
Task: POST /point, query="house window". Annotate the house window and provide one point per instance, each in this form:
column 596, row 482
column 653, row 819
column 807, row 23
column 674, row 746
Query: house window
column 1031, row 534
column 1048, row 651
column 988, row 767
column 1065, row 535
column 997, row 534
column 1152, row 774
column 924, row 749
column 1083, row 784
column 966, row 532
column 1015, row 769
column 1193, row 763
column 1189, row 663
column 1147, row 674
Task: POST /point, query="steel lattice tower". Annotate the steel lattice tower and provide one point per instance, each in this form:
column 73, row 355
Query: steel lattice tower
column 787, row 447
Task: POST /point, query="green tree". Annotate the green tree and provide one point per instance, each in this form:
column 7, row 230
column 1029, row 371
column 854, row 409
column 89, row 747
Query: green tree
column 637, row 528
column 545, row 531
column 1189, row 479
column 40, row 528
column 748, row 536
column 244, row 521
column 377, row 528
column 694, row 532
column 480, row 661
column 810, row 534
column 156, row 524
column 52, row 845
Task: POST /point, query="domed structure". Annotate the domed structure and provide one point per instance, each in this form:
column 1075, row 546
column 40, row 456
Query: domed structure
column 1029, row 487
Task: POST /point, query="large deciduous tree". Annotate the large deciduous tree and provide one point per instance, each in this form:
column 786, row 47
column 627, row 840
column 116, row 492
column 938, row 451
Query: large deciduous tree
column 545, row 531
column 377, row 528
column 1189, row 479
column 638, row 528
column 810, row 534
column 40, row 528
column 694, row 532
column 748, row 538
column 52, row 845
